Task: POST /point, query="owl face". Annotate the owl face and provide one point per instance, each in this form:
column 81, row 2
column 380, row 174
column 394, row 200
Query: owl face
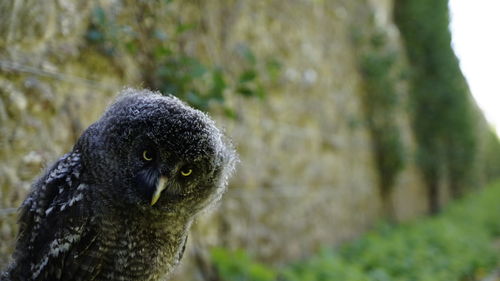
column 156, row 152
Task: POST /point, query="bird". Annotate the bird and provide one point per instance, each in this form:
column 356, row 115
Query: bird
column 119, row 205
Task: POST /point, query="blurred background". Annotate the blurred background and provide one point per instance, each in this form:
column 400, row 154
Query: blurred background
column 364, row 155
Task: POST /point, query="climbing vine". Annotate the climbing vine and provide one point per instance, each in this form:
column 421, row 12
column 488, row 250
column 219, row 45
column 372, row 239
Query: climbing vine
column 156, row 38
column 381, row 99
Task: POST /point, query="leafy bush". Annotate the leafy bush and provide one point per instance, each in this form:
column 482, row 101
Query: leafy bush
column 326, row 266
column 237, row 266
column 456, row 245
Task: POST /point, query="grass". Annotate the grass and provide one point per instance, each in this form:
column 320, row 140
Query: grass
column 457, row 245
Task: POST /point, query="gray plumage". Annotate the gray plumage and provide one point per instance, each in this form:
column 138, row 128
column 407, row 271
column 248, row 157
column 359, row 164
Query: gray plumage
column 120, row 204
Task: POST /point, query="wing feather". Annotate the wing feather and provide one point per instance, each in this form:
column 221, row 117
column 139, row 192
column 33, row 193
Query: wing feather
column 56, row 228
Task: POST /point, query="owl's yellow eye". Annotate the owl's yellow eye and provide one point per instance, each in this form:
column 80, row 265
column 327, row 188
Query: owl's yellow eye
column 147, row 155
column 186, row 172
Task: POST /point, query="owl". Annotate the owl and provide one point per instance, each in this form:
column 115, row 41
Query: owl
column 119, row 205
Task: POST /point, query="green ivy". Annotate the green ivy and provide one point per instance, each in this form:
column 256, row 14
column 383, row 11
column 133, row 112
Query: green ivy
column 158, row 50
column 380, row 77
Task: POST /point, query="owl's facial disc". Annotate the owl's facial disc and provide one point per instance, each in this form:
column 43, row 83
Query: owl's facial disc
column 160, row 186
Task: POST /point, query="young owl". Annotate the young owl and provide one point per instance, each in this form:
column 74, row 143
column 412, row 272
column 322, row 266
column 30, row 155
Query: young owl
column 120, row 204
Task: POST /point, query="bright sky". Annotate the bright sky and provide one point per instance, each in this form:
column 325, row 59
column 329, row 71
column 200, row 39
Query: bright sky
column 475, row 27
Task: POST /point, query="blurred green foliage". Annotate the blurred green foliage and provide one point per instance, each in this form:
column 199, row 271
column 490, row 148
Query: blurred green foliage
column 381, row 100
column 238, row 266
column 443, row 117
column 456, row 245
column 492, row 156
column 155, row 37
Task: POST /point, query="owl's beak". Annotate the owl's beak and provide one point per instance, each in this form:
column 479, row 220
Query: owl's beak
column 160, row 186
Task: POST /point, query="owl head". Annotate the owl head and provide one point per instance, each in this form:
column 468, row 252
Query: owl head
column 157, row 153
